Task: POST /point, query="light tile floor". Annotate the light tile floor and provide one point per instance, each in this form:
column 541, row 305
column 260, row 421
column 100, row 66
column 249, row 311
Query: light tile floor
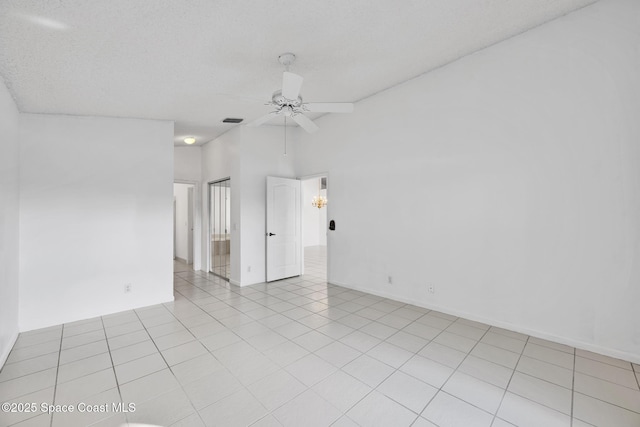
column 300, row 352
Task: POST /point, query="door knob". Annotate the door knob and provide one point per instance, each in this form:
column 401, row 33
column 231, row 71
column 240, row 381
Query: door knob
column 271, row 234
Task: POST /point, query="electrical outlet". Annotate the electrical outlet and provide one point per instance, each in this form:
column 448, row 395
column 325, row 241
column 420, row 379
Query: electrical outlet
column 432, row 289
column 249, row 269
column 390, row 280
column 127, row 288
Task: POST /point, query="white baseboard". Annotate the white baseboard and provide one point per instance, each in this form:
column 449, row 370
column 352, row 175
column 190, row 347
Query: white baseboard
column 630, row 357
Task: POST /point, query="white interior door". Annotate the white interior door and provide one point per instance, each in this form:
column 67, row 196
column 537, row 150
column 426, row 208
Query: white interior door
column 283, row 228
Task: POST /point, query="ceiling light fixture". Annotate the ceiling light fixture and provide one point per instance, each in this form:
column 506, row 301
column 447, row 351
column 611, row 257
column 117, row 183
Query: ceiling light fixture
column 189, row 140
column 319, row 201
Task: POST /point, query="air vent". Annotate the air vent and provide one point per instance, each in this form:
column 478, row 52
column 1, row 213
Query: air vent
column 232, row 120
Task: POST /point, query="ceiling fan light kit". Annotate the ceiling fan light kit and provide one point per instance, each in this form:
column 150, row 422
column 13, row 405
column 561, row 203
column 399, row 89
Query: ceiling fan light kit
column 287, row 101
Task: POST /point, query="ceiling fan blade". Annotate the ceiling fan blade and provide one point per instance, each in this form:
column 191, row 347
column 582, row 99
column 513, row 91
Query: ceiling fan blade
column 264, row 119
column 329, row 107
column 291, row 84
column 305, row 123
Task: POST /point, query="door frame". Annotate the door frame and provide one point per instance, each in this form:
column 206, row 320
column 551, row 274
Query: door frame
column 314, row 176
column 209, row 228
column 174, row 227
column 190, row 224
column 197, row 221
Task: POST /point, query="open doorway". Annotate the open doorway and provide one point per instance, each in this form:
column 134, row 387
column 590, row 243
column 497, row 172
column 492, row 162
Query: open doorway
column 183, row 223
column 314, row 226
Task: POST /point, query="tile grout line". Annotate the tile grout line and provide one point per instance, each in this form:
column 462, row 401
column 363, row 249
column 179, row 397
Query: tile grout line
column 165, row 360
column 607, row 381
column 280, row 368
column 241, row 338
column 611, row 365
column 455, row 369
column 291, row 319
column 167, row 364
column 230, row 306
column 55, row 385
column 416, row 354
column 113, row 365
column 573, row 387
column 384, row 340
column 553, row 384
column 33, row 372
column 7, row 363
column 607, row 403
column 510, row 378
column 338, row 369
column 307, row 388
column 245, row 387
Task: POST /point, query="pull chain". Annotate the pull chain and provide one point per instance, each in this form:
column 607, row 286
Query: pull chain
column 285, row 135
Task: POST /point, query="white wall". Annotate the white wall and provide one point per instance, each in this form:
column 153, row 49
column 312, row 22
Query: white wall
column 187, row 168
column 221, row 159
column 187, row 163
column 96, row 213
column 511, row 182
column 180, row 193
column 9, row 222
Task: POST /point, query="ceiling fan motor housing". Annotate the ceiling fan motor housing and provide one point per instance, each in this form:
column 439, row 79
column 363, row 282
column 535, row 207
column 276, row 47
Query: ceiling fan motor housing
column 280, row 100
column 286, row 105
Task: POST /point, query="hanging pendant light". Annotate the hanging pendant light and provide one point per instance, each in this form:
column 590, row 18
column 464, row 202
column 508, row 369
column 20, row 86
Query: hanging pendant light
column 319, row 201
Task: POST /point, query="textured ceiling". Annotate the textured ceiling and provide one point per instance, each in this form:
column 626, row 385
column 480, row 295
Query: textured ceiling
column 199, row 61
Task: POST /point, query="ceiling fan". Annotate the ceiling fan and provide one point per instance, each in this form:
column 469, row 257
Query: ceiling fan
column 287, row 102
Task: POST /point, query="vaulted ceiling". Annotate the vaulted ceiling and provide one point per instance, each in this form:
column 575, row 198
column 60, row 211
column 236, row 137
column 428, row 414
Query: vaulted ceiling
column 199, row 61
